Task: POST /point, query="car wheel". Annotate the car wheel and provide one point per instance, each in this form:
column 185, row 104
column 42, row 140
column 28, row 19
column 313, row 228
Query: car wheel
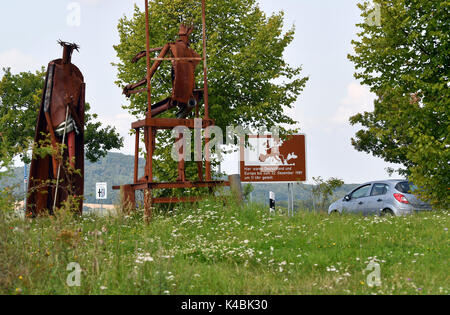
column 387, row 212
column 334, row 213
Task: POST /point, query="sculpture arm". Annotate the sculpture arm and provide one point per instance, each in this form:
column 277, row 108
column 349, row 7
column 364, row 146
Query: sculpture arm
column 130, row 87
column 143, row 53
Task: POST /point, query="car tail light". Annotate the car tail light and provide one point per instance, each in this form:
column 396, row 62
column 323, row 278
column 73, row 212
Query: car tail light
column 400, row 198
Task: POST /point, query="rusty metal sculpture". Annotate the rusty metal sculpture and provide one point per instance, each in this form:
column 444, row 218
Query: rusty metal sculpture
column 61, row 116
column 186, row 98
column 184, row 61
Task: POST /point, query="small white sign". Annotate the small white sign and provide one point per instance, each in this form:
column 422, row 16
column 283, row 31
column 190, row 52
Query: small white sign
column 101, row 191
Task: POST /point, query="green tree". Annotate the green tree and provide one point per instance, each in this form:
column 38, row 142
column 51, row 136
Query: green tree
column 404, row 59
column 5, row 158
column 322, row 190
column 20, row 98
column 250, row 84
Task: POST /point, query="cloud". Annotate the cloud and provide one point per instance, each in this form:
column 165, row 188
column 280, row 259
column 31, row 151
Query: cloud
column 90, row 2
column 359, row 99
column 18, row 61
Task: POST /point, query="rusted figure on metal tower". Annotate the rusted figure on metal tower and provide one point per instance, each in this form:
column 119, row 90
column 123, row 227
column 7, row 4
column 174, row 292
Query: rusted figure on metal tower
column 186, row 98
column 184, row 61
column 61, row 116
column 184, row 95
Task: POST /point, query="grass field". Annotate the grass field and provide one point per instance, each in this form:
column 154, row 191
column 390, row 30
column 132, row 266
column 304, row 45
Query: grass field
column 216, row 248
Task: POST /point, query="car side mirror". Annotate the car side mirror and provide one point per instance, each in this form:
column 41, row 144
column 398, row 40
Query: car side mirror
column 347, row 198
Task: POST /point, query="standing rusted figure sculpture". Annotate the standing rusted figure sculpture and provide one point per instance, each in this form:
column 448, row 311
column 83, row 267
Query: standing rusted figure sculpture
column 61, row 116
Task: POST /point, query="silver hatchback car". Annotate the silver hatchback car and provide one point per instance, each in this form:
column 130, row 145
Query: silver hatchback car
column 392, row 197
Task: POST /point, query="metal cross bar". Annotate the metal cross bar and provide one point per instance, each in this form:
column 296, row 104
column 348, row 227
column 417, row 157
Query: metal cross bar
column 149, row 170
column 176, row 59
column 206, row 95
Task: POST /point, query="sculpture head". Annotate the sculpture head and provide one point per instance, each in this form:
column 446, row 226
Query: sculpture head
column 185, row 32
column 68, row 50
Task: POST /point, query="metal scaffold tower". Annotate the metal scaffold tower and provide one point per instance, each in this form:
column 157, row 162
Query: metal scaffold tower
column 182, row 57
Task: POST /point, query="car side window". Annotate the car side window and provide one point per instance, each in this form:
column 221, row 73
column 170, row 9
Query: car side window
column 379, row 190
column 361, row 192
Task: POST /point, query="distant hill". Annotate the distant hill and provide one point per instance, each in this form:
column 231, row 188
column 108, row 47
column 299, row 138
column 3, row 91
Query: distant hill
column 114, row 169
column 302, row 192
column 117, row 169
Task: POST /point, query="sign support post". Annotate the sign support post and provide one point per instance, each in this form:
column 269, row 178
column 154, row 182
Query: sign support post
column 289, row 200
column 292, row 192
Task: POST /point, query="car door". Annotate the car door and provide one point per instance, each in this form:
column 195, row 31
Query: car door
column 358, row 200
column 377, row 198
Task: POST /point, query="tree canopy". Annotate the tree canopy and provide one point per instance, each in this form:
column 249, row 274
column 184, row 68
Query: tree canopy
column 404, row 60
column 20, row 98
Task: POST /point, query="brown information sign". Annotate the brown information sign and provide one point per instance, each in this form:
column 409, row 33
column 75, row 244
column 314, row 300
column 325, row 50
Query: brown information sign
column 269, row 159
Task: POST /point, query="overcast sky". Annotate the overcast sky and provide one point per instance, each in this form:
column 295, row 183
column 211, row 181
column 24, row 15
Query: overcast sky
column 29, row 31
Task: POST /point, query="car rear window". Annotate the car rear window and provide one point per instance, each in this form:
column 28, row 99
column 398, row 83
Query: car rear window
column 379, row 189
column 405, row 187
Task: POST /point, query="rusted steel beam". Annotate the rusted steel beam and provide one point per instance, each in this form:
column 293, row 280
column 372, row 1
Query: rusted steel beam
column 48, row 90
column 200, row 170
column 151, row 71
column 149, row 133
column 207, row 158
column 136, row 156
column 187, row 185
column 156, row 65
column 137, row 91
column 177, row 59
column 161, row 108
column 206, row 95
column 205, row 63
column 128, row 195
column 168, row 200
column 169, row 123
column 175, row 185
column 53, row 140
column 147, row 48
column 181, row 163
column 148, row 203
column 143, row 54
